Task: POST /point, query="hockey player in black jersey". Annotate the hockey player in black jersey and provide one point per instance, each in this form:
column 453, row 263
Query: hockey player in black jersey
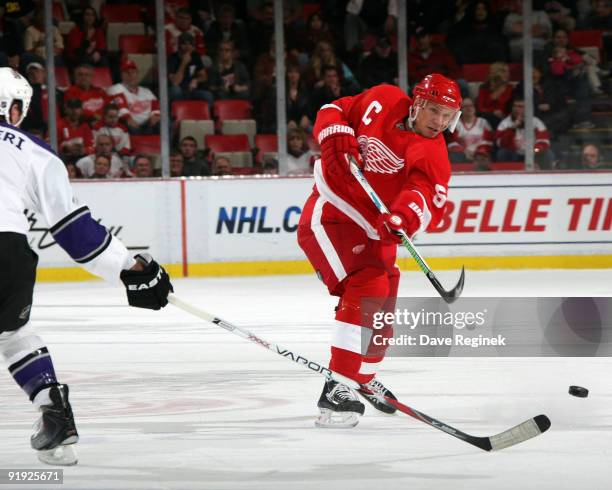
column 32, row 176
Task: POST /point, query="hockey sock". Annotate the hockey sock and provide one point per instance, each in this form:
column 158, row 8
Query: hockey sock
column 356, row 348
column 29, row 362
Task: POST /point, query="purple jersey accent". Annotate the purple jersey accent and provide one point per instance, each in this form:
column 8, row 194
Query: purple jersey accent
column 81, row 236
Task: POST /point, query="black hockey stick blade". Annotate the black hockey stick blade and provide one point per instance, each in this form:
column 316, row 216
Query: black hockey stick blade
column 526, row 430
column 453, row 294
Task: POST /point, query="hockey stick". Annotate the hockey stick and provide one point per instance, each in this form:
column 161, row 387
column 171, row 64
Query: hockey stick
column 448, row 296
column 520, row 433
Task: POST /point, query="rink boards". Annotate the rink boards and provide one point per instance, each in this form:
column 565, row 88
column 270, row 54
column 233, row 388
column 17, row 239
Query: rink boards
column 247, row 226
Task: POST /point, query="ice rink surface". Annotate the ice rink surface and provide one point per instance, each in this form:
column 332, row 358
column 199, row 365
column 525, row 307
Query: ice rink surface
column 166, row 401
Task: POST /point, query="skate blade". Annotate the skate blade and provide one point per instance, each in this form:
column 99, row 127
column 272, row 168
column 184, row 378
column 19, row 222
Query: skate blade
column 59, row 456
column 336, row 420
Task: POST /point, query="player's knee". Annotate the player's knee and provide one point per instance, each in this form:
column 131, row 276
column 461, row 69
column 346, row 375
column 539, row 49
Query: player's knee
column 365, row 293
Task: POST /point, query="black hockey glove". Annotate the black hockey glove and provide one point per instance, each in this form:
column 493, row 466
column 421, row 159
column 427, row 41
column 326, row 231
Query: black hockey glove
column 148, row 288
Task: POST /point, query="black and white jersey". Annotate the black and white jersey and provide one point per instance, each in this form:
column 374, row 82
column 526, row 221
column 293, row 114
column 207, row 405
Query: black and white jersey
column 33, row 177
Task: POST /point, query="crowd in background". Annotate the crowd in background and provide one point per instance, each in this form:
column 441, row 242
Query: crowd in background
column 225, row 51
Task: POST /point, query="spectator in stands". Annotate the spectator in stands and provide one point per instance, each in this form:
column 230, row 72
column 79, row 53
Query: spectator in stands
column 567, row 70
column 38, row 115
column 559, row 16
column 546, row 97
column 188, row 77
column 298, row 100
column 227, row 28
column 93, row 98
column 111, row 126
column 513, row 30
column 103, row 146
column 323, row 56
column 228, row 78
column 473, row 135
column 495, row 95
column 581, row 59
column 86, row 42
column 331, row 90
column 304, row 41
column 600, row 16
column 426, row 59
column 476, row 37
column 176, row 163
column 34, row 38
column 261, row 26
column 193, row 164
column 143, row 166
column 73, row 171
column 299, row 157
column 74, row 136
column 182, row 25
column 16, row 17
column 368, row 17
column 221, row 166
column 270, row 166
column 102, row 166
column 591, row 158
column 138, row 106
column 380, row 66
column 510, row 137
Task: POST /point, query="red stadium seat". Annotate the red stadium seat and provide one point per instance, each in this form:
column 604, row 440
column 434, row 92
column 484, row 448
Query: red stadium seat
column 476, row 72
column 148, row 144
column 516, row 71
column 121, row 13
column 136, row 43
column 102, row 77
column 232, row 109
column 226, row 142
column 310, row 8
column 58, row 12
column 62, row 79
column 583, row 39
column 190, row 109
column 265, row 143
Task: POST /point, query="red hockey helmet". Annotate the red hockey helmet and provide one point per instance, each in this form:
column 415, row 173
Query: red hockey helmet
column 439, row 89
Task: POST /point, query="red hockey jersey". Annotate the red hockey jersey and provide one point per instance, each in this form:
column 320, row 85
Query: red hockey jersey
column 400, row 165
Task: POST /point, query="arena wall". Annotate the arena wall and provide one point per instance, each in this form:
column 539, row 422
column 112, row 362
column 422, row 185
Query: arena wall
column 247, row 226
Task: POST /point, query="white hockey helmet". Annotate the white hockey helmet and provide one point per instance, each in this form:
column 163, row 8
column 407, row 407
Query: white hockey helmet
column 14, row 88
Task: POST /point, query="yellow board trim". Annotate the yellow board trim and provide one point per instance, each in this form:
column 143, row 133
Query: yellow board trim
column 229, row 269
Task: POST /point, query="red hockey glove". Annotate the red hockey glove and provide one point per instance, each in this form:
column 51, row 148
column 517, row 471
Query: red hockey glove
column 391, row 225
column 336, row 141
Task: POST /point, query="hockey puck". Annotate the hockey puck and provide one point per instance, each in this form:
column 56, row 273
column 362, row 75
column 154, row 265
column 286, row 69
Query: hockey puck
column 578, row 391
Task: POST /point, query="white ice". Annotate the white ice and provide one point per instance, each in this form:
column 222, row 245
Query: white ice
column 166, row 401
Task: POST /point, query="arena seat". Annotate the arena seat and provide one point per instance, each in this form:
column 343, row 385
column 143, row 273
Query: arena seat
column 116, row 29
column 62, row 78
column 227, row 142
column 232, row 109
column 190, row 109
column 240, row 126
column 197, row 129
column 265, row 143
column 122, row 13
column 148, row 144
column 136, row 43
column 102, row 77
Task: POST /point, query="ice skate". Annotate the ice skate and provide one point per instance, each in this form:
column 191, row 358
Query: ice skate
column 375, row 394
column 55, row 432
column 340, row 406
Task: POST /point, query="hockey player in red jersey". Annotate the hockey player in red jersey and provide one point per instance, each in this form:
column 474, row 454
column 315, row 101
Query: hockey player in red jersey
column 399, row 145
